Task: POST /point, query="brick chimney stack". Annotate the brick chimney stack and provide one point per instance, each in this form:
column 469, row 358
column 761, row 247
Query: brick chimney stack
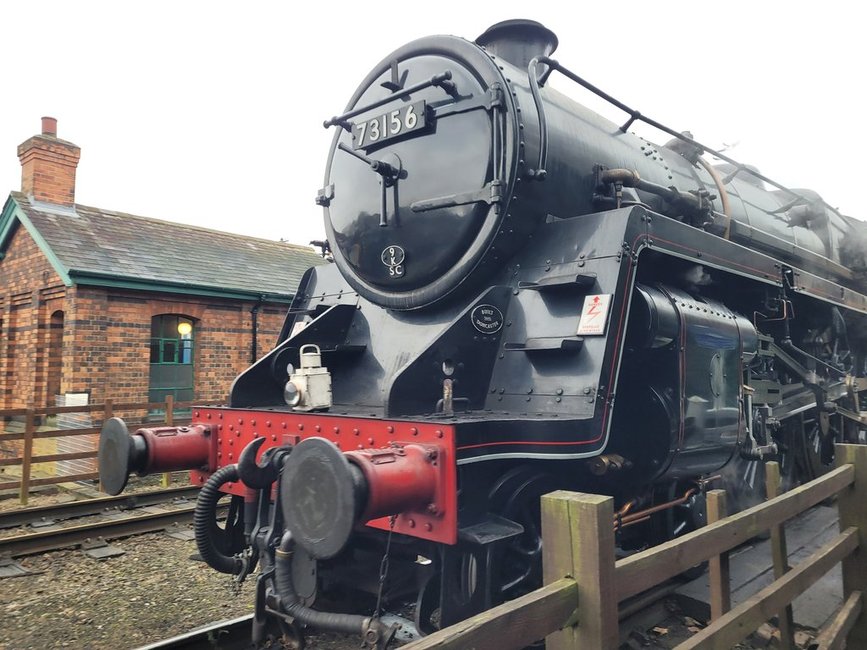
column 48, row 166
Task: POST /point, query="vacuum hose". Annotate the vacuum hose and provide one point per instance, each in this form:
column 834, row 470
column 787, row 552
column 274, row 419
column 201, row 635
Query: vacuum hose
column 204, row 519
column 370, row 628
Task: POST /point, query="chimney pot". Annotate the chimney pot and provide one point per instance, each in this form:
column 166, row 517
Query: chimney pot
column 49, row 126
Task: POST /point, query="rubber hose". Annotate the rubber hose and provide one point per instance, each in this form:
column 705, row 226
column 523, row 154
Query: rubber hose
column 205, row 515
column 346, row 623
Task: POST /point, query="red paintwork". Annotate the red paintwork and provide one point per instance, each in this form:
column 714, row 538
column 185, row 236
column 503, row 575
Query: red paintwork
column 392, row 483
column 399, row 478
column 175, row 448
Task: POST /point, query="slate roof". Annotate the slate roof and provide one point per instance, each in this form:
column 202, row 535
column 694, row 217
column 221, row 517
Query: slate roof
column 91, row 243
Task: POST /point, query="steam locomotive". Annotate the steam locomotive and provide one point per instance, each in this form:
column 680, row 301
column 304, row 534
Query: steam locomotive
column 524, row 297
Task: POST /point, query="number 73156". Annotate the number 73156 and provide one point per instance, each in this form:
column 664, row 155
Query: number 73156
column 392, row 124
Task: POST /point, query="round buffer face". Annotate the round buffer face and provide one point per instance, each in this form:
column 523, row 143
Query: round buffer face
column 114, row 454
column 319, row 497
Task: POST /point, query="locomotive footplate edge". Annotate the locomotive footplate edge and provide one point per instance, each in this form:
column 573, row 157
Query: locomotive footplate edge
column 367, row 439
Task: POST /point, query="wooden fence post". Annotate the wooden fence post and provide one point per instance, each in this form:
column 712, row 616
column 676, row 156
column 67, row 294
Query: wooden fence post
column 578, row 541
column 853, row 512
column 780, row 552
column 27, row 454
column 166, row 479
column 718, row 566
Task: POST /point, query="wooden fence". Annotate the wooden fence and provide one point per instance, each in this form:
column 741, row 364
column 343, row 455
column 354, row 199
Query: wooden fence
column 577, row 607
column 31, row 432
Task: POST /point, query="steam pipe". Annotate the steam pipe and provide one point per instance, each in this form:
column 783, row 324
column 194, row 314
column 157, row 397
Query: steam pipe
column 205, row 515
column 347, row 623
column 635, row 517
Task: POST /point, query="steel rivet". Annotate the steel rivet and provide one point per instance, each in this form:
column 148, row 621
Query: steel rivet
column 268, row 423
column 390, row 429
column 318, row 428
column 355, row 431
column 411, row 523
column 274, row 438
column 370, row 441
column 428, row 527
column 439, row 434
column 414, row 431
column 336, row 429
column 300, row 427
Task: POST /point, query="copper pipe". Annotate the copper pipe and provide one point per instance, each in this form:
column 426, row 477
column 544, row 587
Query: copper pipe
column 628, row 177
column 723, row 195
column 625, row 508
column 642, row 515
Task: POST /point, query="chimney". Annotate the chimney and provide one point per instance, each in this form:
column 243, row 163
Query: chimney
column 48, row 166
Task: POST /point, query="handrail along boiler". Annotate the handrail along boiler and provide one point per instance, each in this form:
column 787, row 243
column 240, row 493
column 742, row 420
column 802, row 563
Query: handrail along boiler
column 524, row 297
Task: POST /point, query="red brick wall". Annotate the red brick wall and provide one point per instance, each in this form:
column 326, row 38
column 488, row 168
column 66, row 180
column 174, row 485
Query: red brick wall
column 30, row 291
column 112, row 330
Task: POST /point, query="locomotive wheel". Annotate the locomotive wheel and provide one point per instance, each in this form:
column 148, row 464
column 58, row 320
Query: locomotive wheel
column 427, row 606
column 811, row 439
column 516, row 496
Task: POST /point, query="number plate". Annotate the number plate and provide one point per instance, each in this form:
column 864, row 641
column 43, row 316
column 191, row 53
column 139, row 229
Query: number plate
column 389, row 126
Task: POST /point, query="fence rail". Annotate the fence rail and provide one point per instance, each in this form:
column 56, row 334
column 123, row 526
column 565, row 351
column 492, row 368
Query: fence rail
column 577, row 608
column 31, row 432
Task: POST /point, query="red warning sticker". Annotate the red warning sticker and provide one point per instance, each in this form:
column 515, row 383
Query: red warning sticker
column 594, row 316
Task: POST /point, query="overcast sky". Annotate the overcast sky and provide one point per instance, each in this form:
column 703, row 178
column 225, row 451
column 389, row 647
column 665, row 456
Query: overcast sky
column 210, row 113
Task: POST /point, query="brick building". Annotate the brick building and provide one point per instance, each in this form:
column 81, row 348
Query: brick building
column 100, row 304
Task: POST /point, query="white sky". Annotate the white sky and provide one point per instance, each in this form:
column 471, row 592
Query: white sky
column 210, row 113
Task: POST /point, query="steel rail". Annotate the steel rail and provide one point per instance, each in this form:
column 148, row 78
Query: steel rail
column 226, row 635
column 86, row 507
column 51, row 540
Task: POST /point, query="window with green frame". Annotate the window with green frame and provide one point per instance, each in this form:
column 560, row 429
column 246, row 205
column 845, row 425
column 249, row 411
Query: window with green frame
column 172, row 352
column 171, row 339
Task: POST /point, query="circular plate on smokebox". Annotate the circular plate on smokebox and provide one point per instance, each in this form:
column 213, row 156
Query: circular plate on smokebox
column 114, row 454
column 319, row 497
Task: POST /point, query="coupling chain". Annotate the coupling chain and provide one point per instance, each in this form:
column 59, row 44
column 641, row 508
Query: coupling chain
column 383, row 567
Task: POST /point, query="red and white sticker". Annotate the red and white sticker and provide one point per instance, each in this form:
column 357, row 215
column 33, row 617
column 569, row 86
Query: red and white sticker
column 594, row 316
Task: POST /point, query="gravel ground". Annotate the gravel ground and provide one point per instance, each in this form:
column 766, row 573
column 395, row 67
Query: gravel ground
column 154, row 591
column 151, row 592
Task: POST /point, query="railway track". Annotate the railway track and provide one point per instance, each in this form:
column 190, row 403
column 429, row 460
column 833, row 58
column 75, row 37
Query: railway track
column 87, row 507
column 233, row 634
column 117, row 517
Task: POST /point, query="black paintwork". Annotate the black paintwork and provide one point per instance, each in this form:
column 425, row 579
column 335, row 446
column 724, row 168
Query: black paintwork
column 474, row 278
